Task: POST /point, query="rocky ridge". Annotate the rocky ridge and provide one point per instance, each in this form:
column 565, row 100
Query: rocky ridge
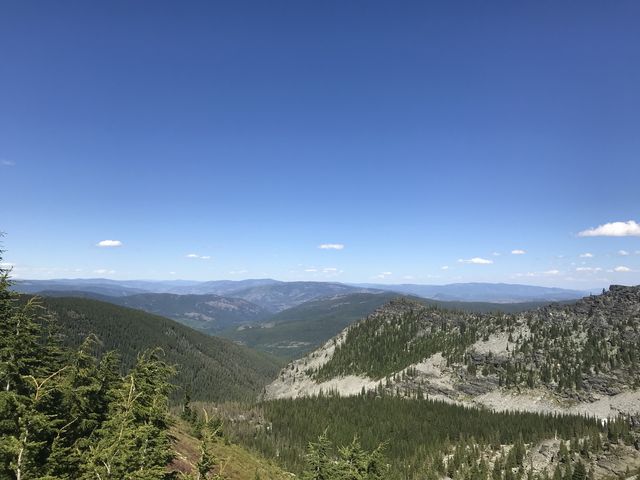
column 579, row 358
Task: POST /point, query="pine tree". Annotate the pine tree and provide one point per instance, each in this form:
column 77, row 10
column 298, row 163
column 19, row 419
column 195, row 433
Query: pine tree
column 133, row 442
column 579, row 472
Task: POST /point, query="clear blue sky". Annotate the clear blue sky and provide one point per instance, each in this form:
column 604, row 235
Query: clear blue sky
column 415, row 135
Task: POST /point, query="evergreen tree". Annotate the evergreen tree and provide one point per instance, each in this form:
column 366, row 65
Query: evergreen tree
column 579, row 472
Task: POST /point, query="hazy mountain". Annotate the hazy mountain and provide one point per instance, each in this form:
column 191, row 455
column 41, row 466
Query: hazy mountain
column 584, row 352
column 280, row 296
column 224, row 287
column 214, row 368
column 207, row 313
column 98, row 286
column 485, row 292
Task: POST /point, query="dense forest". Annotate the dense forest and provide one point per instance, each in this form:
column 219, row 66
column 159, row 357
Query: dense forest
column 214, row 369
column 416, row 434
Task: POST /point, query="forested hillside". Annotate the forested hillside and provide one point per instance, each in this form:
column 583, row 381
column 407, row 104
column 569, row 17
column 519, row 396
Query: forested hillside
column 207, row 313
column 581, row 357
column 589, row 346
column 213, row 368
column 298, row 330
column 426, row 439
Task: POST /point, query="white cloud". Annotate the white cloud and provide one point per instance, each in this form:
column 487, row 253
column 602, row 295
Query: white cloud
column 237, row 272
column 444, row 267
column 586, row 255
column 195, row 255
column 383, row 275
column 528, row 274
column 623, row 253
column 518, row 252
column 103, row 271
column 408, row 277
column 622, row 268
column 496, row 254
column 310, row 270
column 476, row 261
column 539, row 274
column 613, row 229
column 109, row 243
column 7, row 163
column 331, row 246
column 588, row 269
column 332, row 271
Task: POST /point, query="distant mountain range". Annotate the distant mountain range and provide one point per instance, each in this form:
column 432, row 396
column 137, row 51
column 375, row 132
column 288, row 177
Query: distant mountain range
column 276, row 296
column 286, row 318
column 485, row 292
column 206, row 313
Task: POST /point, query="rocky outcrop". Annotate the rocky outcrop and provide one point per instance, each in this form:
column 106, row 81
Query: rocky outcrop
column 520, row 361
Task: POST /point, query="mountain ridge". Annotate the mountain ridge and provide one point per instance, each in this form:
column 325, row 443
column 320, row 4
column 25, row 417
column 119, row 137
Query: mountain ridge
column 503, row 361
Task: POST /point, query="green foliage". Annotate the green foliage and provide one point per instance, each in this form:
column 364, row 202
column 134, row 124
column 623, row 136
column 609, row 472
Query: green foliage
column 352, row 462
column 416, row 432
column 215, row 369
column 64, row 414
column 405, row 333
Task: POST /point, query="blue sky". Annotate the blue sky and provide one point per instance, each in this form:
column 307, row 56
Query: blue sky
column 416, row 135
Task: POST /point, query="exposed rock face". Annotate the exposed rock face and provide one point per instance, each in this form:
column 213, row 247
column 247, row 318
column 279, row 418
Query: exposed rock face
column 582, row 357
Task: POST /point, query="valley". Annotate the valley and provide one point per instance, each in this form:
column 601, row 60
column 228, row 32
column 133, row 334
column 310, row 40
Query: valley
column 469, row 390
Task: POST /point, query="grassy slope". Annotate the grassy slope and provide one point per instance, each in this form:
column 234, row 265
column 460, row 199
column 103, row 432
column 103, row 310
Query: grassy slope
column 237, row 462
column 214, row 368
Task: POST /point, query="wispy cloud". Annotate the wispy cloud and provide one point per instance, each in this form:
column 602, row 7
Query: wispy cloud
column 586, row 255
column 613, row 229
column 539, row 274
column 623, row 253
column 622, row 269
column 195, row 255
column 237, row 272
column 588, row 269
column 104, row 271
column 7, row 163
column 311, row 270
column 331, row 246
column 518, row 252
column 444, row 267
column 383, row 275
column 476, row 261
column 109, row 243
column 496, row 254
